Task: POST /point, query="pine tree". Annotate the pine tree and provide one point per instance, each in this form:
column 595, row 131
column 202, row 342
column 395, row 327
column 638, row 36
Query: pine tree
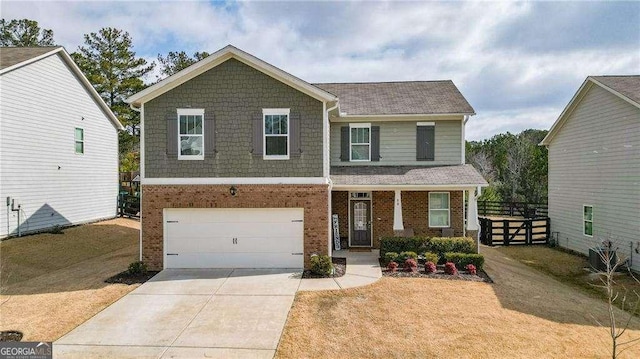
column 177, row 61
column 24, row 33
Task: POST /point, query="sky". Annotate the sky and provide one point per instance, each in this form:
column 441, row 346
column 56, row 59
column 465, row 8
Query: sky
column 517, row 63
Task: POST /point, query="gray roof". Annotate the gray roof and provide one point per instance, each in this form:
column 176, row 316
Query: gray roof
column 10, row 56
column 628, row 86
column 398, row 98
column 406, row 175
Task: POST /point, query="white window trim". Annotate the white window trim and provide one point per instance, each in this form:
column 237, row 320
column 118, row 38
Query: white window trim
column 190, row 112
column 359, row 125
column 76, row 141
column 276, row 111
column 440, row 209
column 584, row 232
column 427, row 124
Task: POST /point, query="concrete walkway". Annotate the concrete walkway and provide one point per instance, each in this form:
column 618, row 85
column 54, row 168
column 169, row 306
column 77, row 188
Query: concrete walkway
column 213, row 313
column 363, row 268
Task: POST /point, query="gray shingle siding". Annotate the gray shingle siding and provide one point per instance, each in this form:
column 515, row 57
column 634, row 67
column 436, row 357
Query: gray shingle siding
column 594, row 159
column 235, row 93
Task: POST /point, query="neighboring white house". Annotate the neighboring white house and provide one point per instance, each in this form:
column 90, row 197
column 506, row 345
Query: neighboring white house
column 594, row 167
column 58, row 143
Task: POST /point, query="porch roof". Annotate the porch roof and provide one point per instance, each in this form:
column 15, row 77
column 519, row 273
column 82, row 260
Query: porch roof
column 454, row 176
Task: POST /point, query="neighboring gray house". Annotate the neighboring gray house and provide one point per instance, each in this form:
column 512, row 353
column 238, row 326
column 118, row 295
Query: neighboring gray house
column 594, row 167
column 243, row 164
column 58, row 143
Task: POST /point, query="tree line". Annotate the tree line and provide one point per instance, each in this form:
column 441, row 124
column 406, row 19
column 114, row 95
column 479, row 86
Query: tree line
column 108, row 61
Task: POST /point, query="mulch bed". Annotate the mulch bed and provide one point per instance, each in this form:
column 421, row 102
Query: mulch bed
column 128, row 279
column 481, row 275
column 339, row 265
column 10, row 336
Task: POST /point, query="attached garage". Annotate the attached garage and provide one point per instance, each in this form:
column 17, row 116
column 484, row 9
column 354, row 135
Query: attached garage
column 233, row 237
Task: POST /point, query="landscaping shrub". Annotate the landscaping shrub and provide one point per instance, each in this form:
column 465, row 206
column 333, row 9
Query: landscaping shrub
column 430, row 257
column 403, row 244
column 137, row 268
column 321, row 265
column 392, row 266
column 403, row 256
column 450, row 268
column 453, row 244
column 390, row 257
column 462, row 259
column 471, row 269
column 410, row 265
column 430, row 267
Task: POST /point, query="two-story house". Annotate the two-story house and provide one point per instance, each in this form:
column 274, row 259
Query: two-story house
column 244, row 164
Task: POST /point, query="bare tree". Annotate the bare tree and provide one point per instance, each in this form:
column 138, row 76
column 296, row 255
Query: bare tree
column 617, row 325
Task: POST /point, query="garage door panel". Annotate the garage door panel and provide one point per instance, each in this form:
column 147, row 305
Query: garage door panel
column 234, row 238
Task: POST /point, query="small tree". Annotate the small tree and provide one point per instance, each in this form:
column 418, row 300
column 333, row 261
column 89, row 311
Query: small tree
column 617, row 326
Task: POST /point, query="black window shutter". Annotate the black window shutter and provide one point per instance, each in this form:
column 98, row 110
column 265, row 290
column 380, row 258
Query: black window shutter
column 210, row 136
column 257, row 135
column 425, row 143
column 172, row 137
column 295, row 147
column 375, row 143
column 344, row 143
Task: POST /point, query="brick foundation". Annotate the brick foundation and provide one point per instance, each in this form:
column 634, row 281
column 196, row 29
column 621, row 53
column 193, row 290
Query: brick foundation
column 415, row 213
column 313, row 198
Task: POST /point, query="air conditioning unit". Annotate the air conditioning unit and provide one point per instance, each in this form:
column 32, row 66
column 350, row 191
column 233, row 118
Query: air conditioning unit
column 596, row 258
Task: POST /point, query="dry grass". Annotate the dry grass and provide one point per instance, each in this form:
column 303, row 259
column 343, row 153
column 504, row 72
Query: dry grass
column 525, row 314
column 569, row 268
column 52, row 283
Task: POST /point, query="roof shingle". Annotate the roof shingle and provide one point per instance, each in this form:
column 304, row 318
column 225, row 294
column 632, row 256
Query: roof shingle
column 628, row 86
column 10, row 56
column 399, row 98
column 406, row 175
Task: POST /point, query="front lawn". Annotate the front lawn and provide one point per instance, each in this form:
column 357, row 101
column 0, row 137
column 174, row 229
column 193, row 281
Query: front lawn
column 51, row 283
column 524, row 314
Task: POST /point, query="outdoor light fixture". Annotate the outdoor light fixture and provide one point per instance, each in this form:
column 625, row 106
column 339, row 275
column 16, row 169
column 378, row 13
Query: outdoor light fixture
column 233, row 191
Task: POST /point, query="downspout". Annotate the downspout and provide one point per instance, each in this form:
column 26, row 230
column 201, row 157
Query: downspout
column 329, row 182
column 141, row 175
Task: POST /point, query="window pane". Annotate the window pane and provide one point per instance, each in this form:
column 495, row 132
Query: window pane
column 359, row 135
column 360, row 152
column 283, row 124
column 439, row 218
column 183, row 125
column 79, row 147
column 268, row 124
column 438, row 201
column 588, row 213
column 190, row 145
column 79, row 134
column 197, row 125
column 276, row 145
column 588, row 228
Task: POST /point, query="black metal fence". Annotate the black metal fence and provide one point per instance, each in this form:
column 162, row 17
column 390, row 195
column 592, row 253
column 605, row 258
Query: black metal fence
column 513, row 209
column 506, row 232
column 128, row 205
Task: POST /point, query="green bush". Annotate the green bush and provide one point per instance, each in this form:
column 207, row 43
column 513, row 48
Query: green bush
column 321, row 265
column 403, row 244
column 462, row 259
column 453, row 244
column 430, row 257
column 390, row 257
column 403, row 256
column 137, row 268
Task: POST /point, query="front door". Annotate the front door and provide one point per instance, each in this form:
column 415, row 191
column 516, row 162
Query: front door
column 361, row 223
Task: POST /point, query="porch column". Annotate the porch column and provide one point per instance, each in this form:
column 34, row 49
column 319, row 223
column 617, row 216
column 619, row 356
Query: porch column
column 472, row 212
column 397, row 213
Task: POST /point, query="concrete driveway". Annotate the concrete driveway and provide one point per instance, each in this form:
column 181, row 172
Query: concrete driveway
column 213, row 313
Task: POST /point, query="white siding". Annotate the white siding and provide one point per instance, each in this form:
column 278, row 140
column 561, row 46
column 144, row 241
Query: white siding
column 595, row 160
column 398, row 144
column 41, row 104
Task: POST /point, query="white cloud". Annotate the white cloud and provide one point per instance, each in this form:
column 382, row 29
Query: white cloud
column 510, row 87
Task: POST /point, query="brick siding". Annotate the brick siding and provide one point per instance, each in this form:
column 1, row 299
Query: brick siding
column 313, row 198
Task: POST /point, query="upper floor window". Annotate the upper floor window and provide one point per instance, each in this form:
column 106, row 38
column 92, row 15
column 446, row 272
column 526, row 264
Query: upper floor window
column 439, row 209
column 79, row 139
column 360, row 141
column 191, row 134
column 425, row 141
column 587, row 219
column 276, row 134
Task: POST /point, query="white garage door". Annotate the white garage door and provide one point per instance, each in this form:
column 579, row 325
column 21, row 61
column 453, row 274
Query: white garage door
column 234, row 238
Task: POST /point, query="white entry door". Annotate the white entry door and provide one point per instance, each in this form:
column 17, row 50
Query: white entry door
column 234, row 238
